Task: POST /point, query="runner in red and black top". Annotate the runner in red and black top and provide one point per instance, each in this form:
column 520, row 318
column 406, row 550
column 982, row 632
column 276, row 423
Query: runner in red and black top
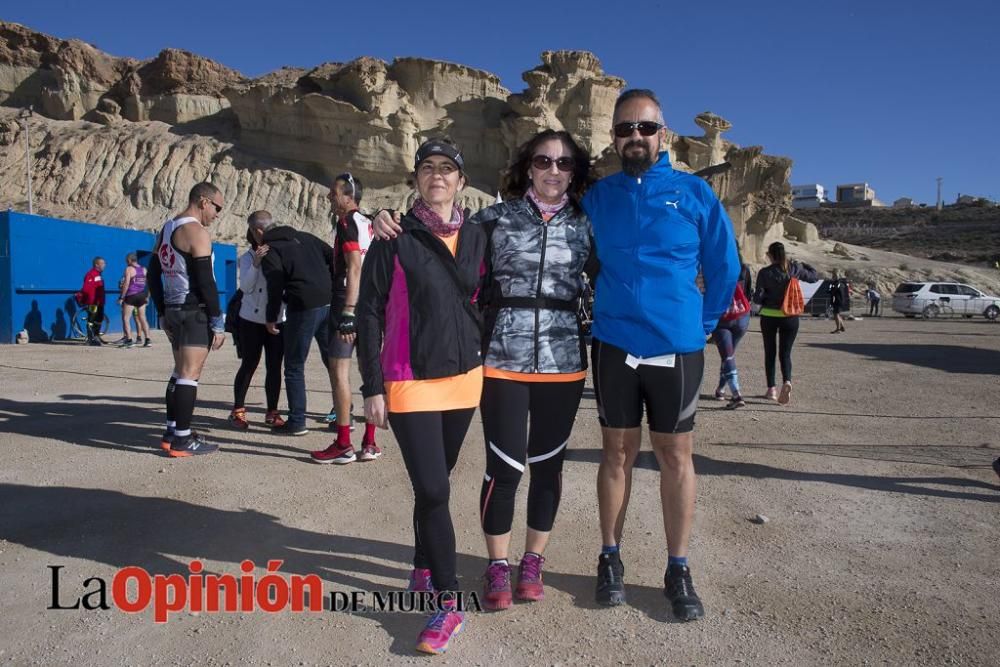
column 93, row 298
column 352, row 236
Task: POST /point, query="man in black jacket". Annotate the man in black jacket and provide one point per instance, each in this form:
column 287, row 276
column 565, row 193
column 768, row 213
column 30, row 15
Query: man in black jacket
column 299, row 271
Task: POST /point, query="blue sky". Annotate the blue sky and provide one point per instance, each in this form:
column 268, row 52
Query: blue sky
column 889, row 92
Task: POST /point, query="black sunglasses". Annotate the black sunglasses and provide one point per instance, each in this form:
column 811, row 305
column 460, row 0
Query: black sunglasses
column 647, row 128
column 544, row 163
column 218, row 209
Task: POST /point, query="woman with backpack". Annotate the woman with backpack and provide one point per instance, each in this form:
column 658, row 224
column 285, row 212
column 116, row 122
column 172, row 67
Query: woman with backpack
column 727, row 335
column 779, row 318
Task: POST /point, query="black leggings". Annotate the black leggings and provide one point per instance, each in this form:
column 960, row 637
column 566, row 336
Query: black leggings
column 254, row 339
column 95, row 320
column 779, row 335
column 429, row 443
column 506, row 407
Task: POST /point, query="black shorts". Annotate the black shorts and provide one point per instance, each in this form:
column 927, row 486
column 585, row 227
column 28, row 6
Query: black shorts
column 188, row 328
column 337, row 348
column 136, row 300
column 669, row 395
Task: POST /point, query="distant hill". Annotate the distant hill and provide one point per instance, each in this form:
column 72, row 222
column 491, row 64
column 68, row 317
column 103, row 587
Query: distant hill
column 962, row 234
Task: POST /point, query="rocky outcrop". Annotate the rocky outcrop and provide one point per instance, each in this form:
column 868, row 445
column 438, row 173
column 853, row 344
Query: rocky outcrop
column 568, row 91
column 368, row 117
column 175, row 87
column 136, row 175
column 136, row 134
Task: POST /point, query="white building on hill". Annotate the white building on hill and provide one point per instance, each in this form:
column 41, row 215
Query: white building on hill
column 808, row 196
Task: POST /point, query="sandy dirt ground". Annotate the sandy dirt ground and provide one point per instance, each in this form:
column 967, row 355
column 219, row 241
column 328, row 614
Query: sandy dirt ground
column 882, row 544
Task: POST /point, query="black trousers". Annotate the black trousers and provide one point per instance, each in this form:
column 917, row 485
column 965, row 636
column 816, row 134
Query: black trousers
column 779, row 335
column 429, row 443
column 95, row 319
column 507, row 407
column 255, row 340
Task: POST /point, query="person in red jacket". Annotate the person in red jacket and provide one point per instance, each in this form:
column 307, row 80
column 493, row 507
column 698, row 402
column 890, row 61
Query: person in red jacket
column 93, row 299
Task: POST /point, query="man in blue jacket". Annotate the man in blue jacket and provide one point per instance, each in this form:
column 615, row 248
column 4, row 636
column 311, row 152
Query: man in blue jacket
column 655, row 229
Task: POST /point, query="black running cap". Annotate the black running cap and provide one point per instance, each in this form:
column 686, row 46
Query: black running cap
column 437, row 147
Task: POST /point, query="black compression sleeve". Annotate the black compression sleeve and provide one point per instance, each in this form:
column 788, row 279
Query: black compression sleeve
column 153, row 280
column 203, row 285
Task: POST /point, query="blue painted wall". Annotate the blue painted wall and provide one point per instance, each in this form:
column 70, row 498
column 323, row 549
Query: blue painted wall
column 43, row 261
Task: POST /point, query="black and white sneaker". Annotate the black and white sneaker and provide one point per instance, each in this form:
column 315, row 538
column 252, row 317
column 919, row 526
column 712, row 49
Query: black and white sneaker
column 610, row 580
column 289, row 428
column 679, row 589
column 190, row 445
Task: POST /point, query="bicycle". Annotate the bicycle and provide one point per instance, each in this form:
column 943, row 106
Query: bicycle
column 78, row 325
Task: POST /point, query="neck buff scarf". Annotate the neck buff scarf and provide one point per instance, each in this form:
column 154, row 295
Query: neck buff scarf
column 429, row 217
column 547, row 209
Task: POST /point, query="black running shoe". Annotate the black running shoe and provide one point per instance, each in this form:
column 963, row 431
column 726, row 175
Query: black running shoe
column 679, row 589
column 290, row 429
column 190, row 445
column 996, row 466
column 610, row 580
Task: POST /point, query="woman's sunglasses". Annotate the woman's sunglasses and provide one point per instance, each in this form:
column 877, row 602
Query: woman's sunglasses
column 647, row 128
column 544, row 163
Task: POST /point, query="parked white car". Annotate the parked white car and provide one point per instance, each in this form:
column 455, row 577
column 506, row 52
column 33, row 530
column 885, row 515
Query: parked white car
column 944, row 299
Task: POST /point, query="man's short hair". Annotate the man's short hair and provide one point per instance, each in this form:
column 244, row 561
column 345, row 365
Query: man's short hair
column 260, row 219
column 644, row 93
column 352, row 186
column 96, row 260
column 200, row 190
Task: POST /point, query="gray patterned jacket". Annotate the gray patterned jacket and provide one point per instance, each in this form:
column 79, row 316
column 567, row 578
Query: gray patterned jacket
column 529, row 258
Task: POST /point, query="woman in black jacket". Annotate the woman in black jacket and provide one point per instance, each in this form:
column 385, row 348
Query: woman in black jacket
column 778, row 329
column 419, row 350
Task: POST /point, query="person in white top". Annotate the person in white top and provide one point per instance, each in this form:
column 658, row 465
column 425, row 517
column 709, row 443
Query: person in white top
column 253, row 336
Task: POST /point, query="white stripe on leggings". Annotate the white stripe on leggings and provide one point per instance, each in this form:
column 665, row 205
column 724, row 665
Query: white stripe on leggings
column 511, row 462
column 547, row 455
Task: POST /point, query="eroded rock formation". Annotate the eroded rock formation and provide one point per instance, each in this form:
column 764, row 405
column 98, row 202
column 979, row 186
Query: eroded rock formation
column 120, row 141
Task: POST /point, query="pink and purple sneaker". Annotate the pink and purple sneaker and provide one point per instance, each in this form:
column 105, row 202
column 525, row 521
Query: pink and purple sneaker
column 440, row 628
column 529, row 579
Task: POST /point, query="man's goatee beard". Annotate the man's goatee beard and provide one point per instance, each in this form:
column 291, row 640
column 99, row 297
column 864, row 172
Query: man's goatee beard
column 637, row 166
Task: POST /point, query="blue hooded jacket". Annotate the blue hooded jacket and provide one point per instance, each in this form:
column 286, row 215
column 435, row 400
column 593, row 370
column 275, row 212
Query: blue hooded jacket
column 653, row 233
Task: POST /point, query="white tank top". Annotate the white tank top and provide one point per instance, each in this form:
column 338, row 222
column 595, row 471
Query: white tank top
column 174, row 265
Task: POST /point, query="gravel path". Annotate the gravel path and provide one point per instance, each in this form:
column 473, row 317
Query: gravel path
column 881, row 544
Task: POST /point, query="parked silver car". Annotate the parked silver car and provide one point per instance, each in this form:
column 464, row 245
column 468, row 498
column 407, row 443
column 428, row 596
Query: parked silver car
column 944, row 299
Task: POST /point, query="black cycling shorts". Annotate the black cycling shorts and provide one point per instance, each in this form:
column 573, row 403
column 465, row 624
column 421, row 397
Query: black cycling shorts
column 337, row 347
column 188, row 328
column 136, row 300
column 669, row 395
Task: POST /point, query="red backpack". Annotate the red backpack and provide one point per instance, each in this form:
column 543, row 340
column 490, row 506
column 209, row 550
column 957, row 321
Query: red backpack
column 739, row 307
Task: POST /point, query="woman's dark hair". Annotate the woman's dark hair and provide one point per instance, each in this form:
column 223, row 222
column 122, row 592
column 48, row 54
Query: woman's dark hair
column 777, row 252
column 250, row 238
column 515, row 180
